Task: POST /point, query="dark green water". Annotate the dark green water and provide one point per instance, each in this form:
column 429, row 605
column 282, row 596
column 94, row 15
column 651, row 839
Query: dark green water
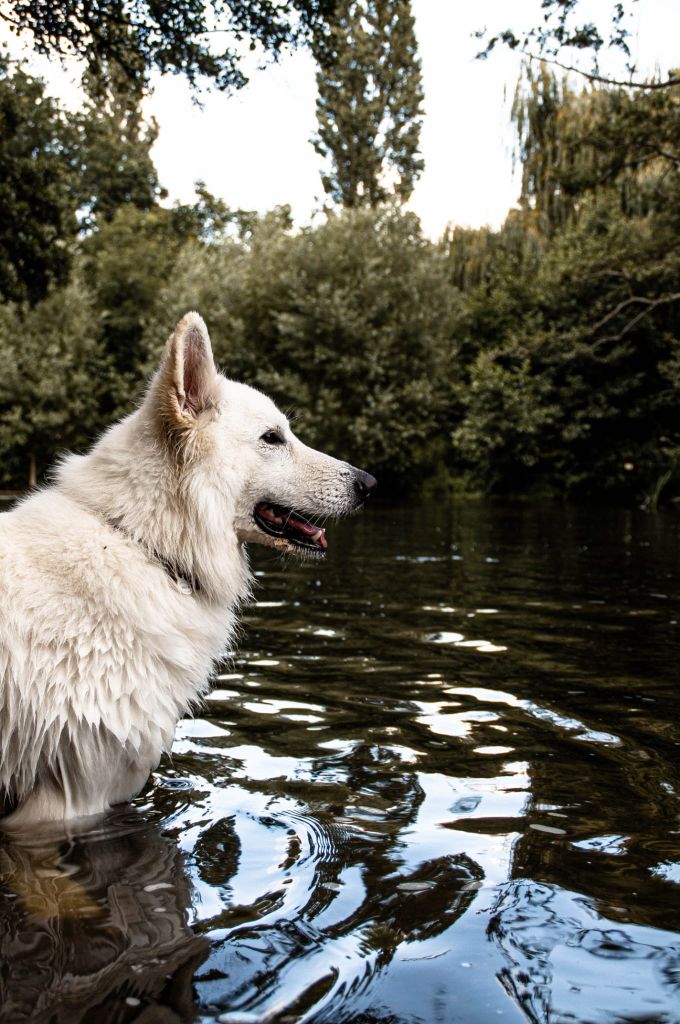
column 438, row 782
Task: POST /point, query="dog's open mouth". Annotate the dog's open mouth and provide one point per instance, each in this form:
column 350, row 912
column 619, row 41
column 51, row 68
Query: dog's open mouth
column 291, row 526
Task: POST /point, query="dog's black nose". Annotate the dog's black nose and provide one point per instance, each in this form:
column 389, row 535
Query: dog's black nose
column 364, row 485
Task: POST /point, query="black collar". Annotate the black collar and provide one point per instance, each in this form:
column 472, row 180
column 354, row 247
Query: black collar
column 183, row 581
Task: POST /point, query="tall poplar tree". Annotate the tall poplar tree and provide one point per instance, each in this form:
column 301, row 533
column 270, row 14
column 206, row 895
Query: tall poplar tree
column 369, row 106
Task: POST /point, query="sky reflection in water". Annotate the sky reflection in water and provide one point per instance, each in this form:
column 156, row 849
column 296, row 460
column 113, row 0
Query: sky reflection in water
column 437, row 782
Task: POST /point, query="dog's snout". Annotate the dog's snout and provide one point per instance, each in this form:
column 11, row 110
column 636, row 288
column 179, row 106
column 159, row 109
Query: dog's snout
column 364, row 485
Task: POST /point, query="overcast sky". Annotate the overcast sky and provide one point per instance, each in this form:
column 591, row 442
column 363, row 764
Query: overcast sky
column 253, row 148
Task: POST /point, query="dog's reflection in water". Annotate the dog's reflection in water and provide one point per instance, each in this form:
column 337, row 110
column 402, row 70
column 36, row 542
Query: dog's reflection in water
column 93, row 927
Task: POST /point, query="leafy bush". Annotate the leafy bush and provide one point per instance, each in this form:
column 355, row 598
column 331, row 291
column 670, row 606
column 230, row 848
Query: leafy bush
column 350, row 325
column 55, row 374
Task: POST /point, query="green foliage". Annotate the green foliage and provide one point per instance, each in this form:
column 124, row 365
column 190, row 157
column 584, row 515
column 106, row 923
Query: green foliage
column 571, row 144
column 369, row 104
column 111, row 149
column 509, row 410
column 178, row 37
column 586, row 324
column 54, row 374
column 349, row 325
column 38, row 219
column 545, row 355
column 125, row 265
column 561, row 28
column 63, row 173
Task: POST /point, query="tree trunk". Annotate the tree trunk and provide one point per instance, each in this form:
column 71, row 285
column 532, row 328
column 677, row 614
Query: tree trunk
column 32, row 473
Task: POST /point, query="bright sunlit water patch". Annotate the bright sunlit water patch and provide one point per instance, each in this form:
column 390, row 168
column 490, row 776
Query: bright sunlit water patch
column 458, row 640
column 669, row 872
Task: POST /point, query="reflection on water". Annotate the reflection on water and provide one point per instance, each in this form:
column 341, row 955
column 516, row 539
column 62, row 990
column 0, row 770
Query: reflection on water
column 438, row 782
column 94, row 926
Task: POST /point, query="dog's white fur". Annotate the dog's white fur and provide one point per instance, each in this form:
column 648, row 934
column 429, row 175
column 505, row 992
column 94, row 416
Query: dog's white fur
column 102, row 648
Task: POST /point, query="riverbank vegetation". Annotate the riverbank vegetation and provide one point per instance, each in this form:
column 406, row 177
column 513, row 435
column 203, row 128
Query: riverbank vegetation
column 544, row 356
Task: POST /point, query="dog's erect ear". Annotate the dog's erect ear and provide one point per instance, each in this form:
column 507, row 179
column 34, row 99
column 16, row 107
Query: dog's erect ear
column 187, row 373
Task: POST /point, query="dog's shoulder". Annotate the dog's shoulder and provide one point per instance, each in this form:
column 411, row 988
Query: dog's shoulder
column 50, row 541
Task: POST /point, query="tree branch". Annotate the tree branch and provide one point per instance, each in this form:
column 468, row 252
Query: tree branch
column 649, row 305
column 592, row 77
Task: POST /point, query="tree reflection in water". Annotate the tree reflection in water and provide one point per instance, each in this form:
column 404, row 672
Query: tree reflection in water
column 323, row 895
column 563, row 962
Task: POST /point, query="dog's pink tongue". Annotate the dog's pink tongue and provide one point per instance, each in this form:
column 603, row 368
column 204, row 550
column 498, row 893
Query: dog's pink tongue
column 316, row 533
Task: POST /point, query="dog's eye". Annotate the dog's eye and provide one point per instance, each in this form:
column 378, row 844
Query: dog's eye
column 272, row 437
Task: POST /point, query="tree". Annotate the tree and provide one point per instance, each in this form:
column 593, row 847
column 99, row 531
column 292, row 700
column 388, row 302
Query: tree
column 349, row 325
column 560, row 29
column 54, row 374
column 178, row 37
column 571, row 346
column 125, row 264
column 369, row 105
column 112, row 148
column 542, row 104
column 38, row 220
column 576, row 142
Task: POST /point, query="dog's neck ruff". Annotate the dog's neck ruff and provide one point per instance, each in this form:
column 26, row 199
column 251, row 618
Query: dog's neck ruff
column 185, row 583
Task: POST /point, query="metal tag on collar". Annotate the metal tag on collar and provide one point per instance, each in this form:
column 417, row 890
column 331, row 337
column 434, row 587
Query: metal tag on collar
column 184, row 586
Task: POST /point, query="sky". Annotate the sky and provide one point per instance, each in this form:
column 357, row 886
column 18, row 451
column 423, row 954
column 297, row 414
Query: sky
column 253, row 148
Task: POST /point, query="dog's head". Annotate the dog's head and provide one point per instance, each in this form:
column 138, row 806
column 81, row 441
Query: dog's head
column 234, row 438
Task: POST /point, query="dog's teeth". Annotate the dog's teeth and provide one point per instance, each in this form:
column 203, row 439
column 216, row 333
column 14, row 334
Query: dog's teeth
column 315, row 536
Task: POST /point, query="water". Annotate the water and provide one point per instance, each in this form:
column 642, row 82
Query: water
column 438, row 782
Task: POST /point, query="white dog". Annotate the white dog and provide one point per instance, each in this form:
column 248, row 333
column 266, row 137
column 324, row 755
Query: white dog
column 119, row 584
